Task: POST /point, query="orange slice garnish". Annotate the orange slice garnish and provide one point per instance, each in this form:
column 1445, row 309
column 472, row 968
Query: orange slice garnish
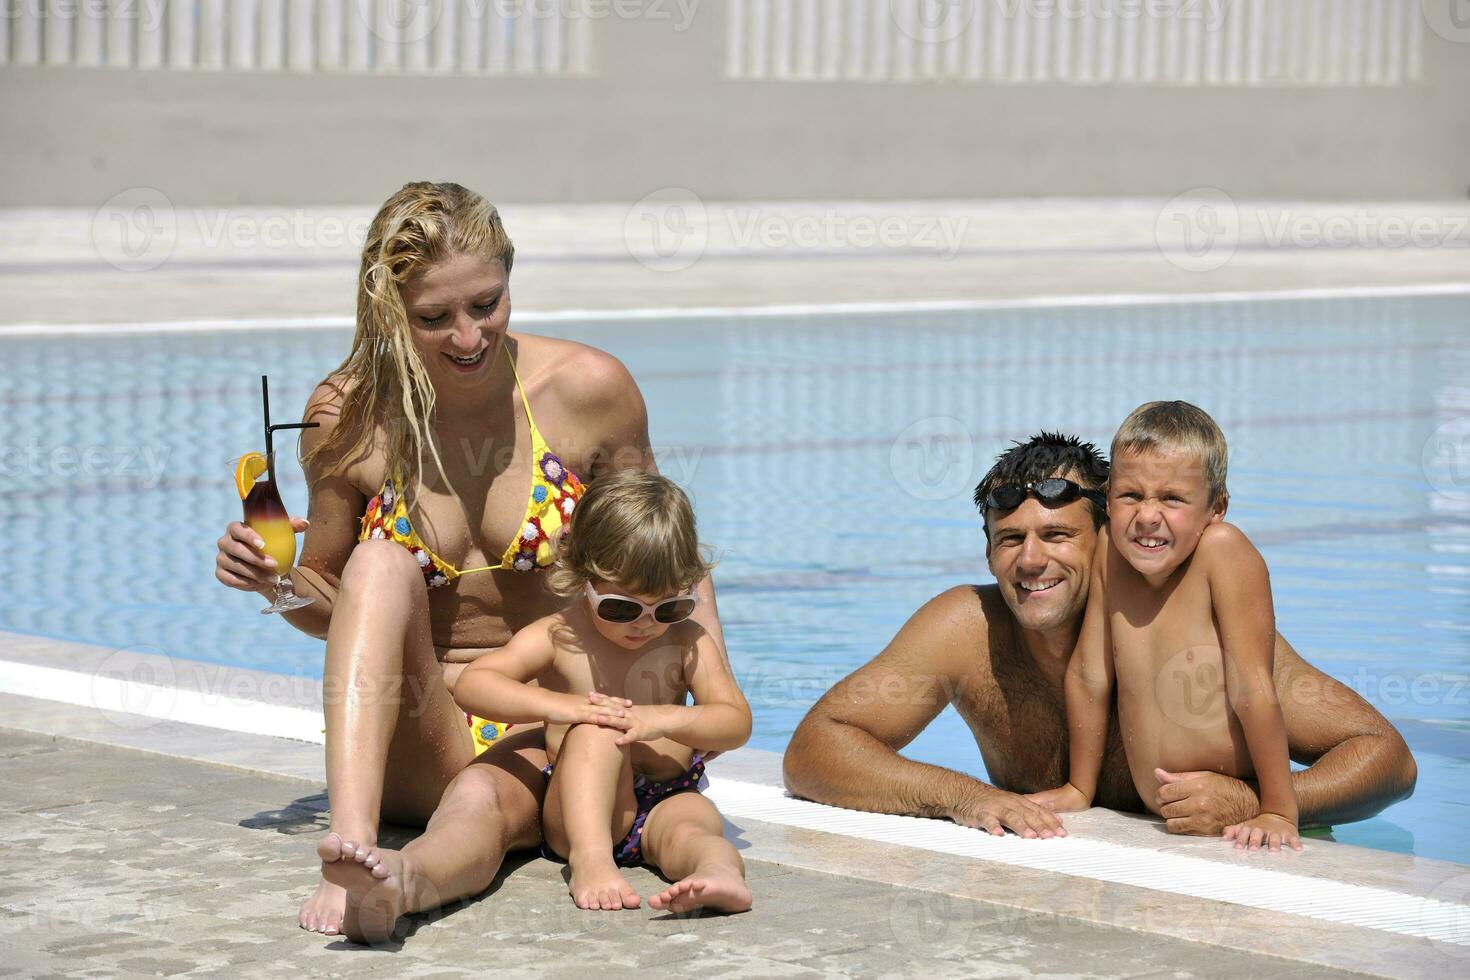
column 247, row 471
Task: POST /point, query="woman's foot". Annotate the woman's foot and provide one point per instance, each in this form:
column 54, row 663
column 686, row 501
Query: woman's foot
column 322, row 912
column 371, row 880
column 598, row 884
column 720, row 889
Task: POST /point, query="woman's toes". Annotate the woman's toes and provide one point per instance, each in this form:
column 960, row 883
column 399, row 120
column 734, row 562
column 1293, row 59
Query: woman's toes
column 329, row 849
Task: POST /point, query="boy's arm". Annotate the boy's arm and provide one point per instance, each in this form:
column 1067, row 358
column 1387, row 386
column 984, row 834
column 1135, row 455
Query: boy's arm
column 1240, row 593
column 719, row 719
column 1358, row 763
column 1089, row 684
column 494, row 686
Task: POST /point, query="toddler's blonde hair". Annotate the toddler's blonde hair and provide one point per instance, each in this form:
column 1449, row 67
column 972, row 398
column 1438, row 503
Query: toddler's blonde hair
column 633, row 528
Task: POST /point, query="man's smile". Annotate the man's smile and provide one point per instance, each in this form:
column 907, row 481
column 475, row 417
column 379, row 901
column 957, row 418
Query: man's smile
column 1039, row 585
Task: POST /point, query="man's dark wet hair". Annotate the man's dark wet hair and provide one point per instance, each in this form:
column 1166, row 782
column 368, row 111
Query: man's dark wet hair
column 1044, row 455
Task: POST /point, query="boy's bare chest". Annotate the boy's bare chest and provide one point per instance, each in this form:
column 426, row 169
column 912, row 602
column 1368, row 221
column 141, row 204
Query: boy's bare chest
column 1152, row 629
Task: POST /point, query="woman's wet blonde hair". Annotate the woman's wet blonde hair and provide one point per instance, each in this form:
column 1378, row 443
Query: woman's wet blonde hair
column 1176, row 427
column 386, row 392
column 633, row 528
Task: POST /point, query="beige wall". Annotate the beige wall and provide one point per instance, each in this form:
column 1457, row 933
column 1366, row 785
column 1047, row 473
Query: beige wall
column 659, row 112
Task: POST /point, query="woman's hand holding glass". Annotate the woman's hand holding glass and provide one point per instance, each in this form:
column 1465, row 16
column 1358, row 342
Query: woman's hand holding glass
column 241, row 564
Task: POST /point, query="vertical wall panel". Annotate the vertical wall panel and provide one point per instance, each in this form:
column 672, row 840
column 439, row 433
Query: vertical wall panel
column 300, row 35
column 181, row 29
column 331, row 35
column 58, row 24
column 271, row 46
column 122, row 35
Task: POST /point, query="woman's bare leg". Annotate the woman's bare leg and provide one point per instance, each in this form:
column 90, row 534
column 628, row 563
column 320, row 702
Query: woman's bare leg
column 684, row 838
column 493, row 806
column 590, row 804
column 387, row 711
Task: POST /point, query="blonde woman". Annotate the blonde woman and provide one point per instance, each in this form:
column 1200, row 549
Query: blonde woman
column 450, row 453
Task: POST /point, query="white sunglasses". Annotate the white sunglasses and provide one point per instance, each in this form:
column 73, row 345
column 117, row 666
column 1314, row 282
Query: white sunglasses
column 623, row 609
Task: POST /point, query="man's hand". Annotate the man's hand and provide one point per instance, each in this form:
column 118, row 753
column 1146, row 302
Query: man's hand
column 1063, row 799
column 1203, row 803
column 997, row 811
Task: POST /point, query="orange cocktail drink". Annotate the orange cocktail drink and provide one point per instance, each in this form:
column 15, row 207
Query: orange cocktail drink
column 265, row 513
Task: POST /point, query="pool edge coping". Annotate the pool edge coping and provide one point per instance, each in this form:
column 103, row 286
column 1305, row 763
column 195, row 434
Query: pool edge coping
column 546, row 317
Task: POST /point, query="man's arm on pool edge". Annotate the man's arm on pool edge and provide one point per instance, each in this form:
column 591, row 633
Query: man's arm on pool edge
column 845, row 751
column 1359, row 763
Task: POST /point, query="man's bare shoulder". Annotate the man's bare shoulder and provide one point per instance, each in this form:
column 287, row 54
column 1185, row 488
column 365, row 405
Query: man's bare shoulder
column 957, row 624
column 961, row 610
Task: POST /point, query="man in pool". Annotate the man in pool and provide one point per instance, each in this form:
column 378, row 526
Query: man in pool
column 999, row 653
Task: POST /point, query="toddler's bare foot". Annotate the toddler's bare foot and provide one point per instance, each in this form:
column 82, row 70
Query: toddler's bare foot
column 721, row 889
column 372, row 881
column 598, row 884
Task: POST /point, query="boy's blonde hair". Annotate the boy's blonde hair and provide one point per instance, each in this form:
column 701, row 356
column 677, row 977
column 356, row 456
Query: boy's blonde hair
column 1176, row 427
column 633, row 528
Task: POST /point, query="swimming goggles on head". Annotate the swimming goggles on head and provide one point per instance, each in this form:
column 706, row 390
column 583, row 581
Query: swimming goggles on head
column 1054, row 490
column 623, row 610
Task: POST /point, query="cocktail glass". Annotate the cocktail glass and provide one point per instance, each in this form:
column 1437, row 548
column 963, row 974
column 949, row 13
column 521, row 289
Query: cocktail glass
column 266, row 515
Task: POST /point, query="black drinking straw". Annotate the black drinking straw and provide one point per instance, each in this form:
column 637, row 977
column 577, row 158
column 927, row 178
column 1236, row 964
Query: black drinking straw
column 270, row 430
column 265, row 401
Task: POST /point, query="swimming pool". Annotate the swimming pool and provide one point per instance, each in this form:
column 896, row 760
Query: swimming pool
column 831, row 459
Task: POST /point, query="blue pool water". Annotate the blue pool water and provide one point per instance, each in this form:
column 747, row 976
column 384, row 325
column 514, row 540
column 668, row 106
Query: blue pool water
column 831, row 460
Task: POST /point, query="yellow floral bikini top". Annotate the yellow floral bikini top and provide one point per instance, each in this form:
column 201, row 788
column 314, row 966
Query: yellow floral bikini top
column 555, row 491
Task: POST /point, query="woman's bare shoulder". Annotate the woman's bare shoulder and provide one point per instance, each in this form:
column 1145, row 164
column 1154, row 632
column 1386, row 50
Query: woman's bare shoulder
column 580, row 374
column 361, row 463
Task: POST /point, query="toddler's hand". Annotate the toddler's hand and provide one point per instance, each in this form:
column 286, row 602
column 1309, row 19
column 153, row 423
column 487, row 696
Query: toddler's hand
column 598, row 709
column 1270, row 829
column 640, row 728
column 1063, row 799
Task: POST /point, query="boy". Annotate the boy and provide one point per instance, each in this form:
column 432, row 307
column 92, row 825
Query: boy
column 1178, row 611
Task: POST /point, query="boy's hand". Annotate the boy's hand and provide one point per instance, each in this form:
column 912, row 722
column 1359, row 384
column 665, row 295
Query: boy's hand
column 641, row 725
column 995, row 811
column 1064, row 799
column 1267, row 828
column 597, row 709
